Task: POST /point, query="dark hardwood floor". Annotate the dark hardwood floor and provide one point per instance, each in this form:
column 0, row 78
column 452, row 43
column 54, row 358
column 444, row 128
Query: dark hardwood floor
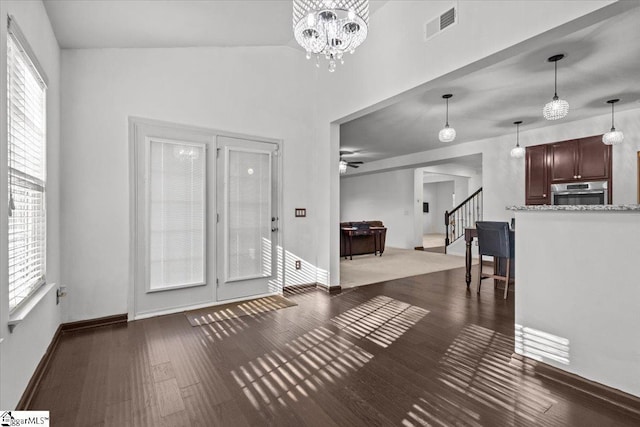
column 410, row 352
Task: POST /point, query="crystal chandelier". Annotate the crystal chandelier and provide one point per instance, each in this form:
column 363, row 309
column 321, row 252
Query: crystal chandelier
column 557, row 108
column 330, row 27
column 342, row 167
column 613, row 136
column 447, row 134
column 517, row 152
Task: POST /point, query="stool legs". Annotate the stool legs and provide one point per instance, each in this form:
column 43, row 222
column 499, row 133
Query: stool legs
column 506, row 284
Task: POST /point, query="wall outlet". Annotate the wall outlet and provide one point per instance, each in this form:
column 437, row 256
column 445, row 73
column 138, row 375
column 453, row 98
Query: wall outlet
column 298, row 264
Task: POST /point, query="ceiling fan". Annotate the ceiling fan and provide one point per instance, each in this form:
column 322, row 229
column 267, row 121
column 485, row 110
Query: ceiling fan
column 346, row 162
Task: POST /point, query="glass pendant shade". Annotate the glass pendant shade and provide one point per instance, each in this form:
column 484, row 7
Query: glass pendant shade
column 613, row 136
column 330, row 28
column 517, row 152
column 342, row 167
column 557, row 108
column 447, row 134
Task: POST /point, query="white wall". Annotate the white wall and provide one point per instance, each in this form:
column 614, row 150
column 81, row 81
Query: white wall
column 444, row 200
column 387, row 197
column 20, row 351
column 255, row 91
column 577, row 280
column 429, row 220
column 369, row 79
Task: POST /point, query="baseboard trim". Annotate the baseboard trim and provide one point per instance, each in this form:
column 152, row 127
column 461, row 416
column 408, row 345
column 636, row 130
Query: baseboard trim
column 94, row 323
column 299, row 288
column 303, row 287
column 334, row 289
column 419, row 248
column 623, row 401
column 34, row 383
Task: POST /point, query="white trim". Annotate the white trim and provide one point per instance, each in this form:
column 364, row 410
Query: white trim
column 174, row 287
column 199, row 306
column 23, row 310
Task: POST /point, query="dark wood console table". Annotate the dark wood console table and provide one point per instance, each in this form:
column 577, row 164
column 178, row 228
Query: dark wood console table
column 378, row 234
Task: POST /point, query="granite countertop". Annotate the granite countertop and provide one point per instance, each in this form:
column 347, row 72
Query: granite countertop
column 576, row 208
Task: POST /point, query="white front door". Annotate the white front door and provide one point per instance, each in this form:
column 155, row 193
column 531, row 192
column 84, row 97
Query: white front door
column 247, row 218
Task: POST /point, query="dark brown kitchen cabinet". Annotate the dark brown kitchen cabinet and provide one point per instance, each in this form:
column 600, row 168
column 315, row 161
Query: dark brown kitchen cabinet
column 563, row 159
column 585, row 159
column 594, row 159
column 537, row 176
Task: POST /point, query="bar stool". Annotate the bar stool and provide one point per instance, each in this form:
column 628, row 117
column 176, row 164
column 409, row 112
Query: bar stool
column 494, row 240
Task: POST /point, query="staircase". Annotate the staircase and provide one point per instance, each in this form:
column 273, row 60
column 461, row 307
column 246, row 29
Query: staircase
column 463, row 216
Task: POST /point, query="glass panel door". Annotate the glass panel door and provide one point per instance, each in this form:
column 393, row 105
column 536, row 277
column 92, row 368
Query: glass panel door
column 247, row 217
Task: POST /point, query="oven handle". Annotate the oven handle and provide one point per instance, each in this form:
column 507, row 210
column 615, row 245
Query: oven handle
column 568, row 193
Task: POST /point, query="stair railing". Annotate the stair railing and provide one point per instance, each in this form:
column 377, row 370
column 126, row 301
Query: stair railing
column 463, row 216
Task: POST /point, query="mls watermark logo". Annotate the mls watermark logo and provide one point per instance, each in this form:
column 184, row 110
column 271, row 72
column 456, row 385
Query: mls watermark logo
column 24, row 418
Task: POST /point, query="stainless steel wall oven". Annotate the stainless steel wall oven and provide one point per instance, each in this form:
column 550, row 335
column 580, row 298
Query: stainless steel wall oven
column 580, row 193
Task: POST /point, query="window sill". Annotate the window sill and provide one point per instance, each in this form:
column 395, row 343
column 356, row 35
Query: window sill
column 22, row 312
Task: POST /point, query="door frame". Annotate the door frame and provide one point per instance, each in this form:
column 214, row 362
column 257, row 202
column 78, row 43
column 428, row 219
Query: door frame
column 134, row 128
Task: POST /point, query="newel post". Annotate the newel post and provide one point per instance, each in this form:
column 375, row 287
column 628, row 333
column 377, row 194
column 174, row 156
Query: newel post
column 446, row 228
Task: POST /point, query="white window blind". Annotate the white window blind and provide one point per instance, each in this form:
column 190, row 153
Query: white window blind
column 27, row 171
column 177, row 213
column 249, row 215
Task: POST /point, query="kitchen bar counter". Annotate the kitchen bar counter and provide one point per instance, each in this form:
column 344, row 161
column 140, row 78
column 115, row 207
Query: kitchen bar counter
column 575, row 208
column 577, row 298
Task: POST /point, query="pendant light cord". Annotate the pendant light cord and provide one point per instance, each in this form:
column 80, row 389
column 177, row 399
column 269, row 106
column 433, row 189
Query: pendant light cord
column 517, row 134
column 447, row 124
column 612, row 126
column 555, row 79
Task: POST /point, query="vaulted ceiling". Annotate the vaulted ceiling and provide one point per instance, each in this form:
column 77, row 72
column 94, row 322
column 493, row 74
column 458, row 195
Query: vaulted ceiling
column 602, row 62
column 173, row 23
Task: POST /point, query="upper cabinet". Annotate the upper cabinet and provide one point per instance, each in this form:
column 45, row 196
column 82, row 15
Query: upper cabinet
column 585, row 159
column 563, row 161
column 594, row 159
column 537, row 177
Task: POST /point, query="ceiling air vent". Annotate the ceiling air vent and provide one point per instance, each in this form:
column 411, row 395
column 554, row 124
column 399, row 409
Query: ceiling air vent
column 436, row 25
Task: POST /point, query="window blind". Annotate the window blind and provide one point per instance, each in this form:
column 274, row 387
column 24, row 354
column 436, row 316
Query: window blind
column 177, row 214
column 27, row 171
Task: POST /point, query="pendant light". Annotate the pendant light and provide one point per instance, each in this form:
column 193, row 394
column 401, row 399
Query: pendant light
column 447, row 134
column 517, row 152
column 613, row 136
column 557, row 108
column 342, row 167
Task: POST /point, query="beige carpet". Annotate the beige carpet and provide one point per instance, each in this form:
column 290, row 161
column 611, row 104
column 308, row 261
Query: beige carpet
column 233, row 310
column 394, row 264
